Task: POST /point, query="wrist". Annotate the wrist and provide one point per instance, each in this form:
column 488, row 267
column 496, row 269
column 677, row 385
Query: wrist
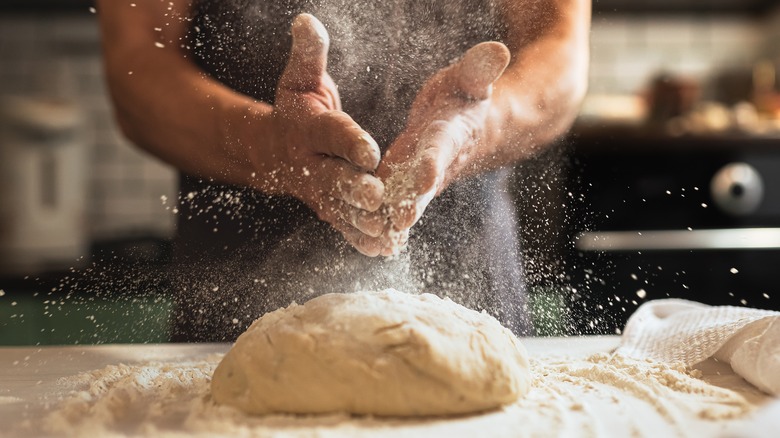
column 245, row 128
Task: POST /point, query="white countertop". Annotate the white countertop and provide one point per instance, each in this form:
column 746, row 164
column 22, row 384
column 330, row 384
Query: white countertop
column 29, row 388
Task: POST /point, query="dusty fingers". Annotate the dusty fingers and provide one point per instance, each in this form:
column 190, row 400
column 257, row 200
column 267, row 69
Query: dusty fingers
column 479, row 68
column 334, row 213
column 308, row 56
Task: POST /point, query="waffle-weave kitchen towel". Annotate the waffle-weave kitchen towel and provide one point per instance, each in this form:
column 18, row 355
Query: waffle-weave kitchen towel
column 684, row 331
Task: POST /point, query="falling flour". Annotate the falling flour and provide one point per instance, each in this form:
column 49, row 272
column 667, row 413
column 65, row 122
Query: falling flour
column 601, row 395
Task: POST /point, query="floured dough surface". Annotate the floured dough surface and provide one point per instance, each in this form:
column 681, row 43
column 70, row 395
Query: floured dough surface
column 384, row 353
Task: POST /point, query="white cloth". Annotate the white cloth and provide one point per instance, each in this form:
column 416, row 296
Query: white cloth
column 675, row 330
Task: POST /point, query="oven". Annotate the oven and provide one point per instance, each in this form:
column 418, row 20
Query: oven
column 654, row 217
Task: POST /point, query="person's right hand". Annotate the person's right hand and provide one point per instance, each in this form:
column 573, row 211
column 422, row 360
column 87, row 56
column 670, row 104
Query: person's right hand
column 318, row 154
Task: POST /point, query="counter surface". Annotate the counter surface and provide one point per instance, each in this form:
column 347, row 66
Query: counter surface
column 29, row 388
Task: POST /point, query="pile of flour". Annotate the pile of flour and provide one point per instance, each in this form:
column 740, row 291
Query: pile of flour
column 601, row 395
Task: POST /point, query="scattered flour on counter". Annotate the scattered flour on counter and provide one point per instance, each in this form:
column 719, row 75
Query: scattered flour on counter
column 637, row 396
column 8, row 400
column 601, row 395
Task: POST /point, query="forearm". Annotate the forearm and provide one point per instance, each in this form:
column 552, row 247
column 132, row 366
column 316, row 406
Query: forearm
column 185, row 118
column 538, row 96
column 165, row 104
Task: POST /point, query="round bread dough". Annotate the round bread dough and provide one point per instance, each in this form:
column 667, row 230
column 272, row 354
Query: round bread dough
column 384, row 353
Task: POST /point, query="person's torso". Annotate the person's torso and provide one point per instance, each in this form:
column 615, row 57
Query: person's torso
column 266, row 250
column 381, row 51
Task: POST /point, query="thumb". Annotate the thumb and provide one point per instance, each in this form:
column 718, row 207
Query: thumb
column 308, row 55
column 482, row 65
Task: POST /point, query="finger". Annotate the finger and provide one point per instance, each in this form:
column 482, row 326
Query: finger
column 308, row 56
column 365, row 244
column 439, row 146
column 408, row 211
column 342, row 137
column 370, row 223
column 404, row 209
column 393, row 241
column 404, row 214
column 442, row 141
column 364, row 192
column 352, row 185
column 480, row 67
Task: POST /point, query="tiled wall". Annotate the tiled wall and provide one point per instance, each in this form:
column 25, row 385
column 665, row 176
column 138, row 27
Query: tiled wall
column 59, row 56
column 626, row 51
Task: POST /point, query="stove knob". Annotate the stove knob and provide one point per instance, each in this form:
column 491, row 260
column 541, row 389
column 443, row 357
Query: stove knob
column 737, row 188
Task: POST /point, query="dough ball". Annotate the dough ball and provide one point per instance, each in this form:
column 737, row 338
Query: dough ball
column 384, row 353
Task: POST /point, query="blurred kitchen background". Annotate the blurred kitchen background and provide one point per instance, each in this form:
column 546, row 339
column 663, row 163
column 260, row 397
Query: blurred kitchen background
column 679, row 91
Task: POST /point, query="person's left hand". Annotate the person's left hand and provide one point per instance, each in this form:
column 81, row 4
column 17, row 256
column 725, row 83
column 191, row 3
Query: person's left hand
column 446, row 122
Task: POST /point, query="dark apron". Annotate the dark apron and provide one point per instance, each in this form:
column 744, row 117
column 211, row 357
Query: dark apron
column 240, row 254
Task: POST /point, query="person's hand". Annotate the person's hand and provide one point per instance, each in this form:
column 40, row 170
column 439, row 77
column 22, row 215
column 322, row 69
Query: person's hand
column 318, row 154
column 446, row 120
